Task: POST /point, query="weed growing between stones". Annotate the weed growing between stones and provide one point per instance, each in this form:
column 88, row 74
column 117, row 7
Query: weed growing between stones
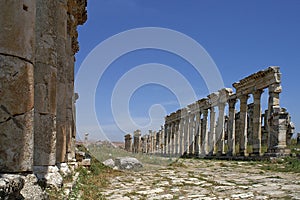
column 91, row 181
column 287, row 164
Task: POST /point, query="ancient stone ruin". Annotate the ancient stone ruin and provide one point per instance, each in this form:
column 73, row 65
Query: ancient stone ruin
column 38, row 40
column 204, row 129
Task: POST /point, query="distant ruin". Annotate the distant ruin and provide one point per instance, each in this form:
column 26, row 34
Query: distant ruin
column 198, row 130
column 38, row 41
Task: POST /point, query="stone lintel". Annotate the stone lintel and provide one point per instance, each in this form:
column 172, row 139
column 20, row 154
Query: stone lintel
column 213, row 99
column 258, row 81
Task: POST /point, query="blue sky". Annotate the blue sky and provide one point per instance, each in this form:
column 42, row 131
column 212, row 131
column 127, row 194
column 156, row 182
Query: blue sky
column 241, row 37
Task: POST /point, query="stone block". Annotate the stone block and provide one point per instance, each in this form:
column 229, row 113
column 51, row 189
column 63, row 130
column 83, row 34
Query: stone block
column 11, row 186
column 46, row 33
column 44, row 139
column 61, row 142
column 85, row 162
column 17, row 35
column 50, row 174
column 16, row 143
column 16, row 85
column 45, row 88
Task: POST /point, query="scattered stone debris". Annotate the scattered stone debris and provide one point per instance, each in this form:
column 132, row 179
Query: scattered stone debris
column 83, row 158
column 15, row 186
column 50, row 176
column 11, row 186
column 124, row 163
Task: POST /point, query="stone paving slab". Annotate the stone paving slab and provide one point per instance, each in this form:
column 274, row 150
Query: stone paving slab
column 205, row 179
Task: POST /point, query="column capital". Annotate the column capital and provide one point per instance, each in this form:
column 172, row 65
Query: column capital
column 232, row 103
column 257, row 94
column 205, row 112
column 275, row 88
column 244, row 98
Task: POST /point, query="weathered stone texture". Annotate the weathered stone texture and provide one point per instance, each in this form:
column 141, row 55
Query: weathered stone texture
column 11, row 186
column 45, row 89
column 16, row 85
column 38, row 40
column 17, row 29
column 45, row 126
column 16, row 144
column 16, row 115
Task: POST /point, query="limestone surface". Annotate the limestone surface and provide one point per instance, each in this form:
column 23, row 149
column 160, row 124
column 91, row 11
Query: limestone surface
column 205, row 179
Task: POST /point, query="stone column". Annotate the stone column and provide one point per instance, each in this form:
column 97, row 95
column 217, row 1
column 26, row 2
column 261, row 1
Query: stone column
column 186, row 134
column 220, row 134
column 181, row 136
column 170, row 132
column 198, row 140
column 155, row 142
column 150, row 143
column 277, row 122
column 173, row 138
column 45, row 73
column 231, row 127
column 204, row 133
column 17, row 54
column 137, row 141
column 212, row 134
column 176, row 151
column 165, row 139
column 257, row 122
column 191, row 134
column 273, row 107
column 167, row 132
column 243, row 125
column 162, row 140
column 61, row 90
column 128, row 142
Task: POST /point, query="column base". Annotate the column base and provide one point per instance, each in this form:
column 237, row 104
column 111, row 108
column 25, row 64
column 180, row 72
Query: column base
column 242, row 154
column 255, row 154
column 278, row 152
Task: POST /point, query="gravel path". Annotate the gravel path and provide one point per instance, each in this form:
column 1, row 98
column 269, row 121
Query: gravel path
column 205, row 179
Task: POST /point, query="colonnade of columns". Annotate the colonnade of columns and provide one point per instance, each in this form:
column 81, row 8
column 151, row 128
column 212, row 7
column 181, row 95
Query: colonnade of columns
column 212, row 126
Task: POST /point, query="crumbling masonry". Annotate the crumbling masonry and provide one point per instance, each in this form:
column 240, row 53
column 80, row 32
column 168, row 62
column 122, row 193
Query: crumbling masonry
column 203, row 129
column 38, row 40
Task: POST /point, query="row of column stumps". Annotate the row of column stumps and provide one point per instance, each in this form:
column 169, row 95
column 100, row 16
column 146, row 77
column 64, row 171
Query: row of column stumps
column 203, row 129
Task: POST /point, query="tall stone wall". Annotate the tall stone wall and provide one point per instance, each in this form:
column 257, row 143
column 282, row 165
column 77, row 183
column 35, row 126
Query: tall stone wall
column 38, row 41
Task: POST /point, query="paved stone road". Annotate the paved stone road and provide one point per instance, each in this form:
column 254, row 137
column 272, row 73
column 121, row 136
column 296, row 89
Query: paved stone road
column 205, row 179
